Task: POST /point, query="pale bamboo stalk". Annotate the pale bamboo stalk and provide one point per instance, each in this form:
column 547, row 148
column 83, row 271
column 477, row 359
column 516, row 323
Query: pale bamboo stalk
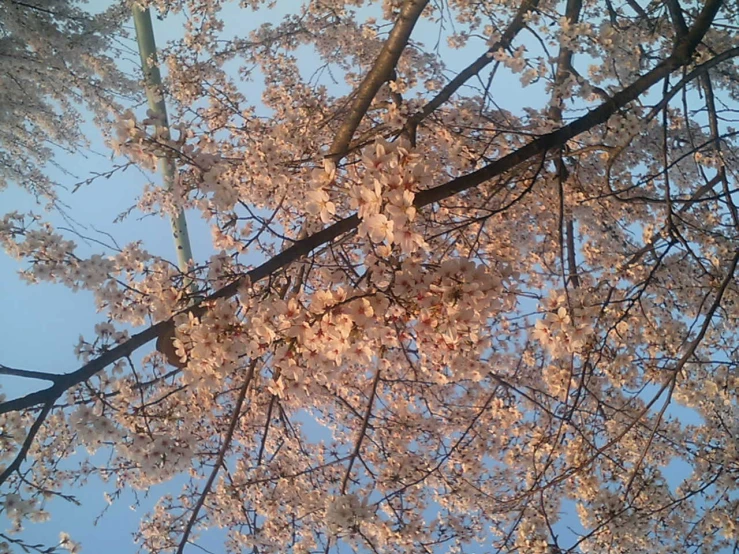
column 153, row 85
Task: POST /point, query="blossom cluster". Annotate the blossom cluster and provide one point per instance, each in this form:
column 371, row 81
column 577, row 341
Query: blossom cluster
column 383, row 198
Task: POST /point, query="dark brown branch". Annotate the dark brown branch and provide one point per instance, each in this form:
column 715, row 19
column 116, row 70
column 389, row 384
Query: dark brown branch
column 68, row 380
column 716, row 143
column 640, row 12
column 685, row 48
column 26, row 446
column 681, row 363
column 380, row 73
column 669, row 386
column 474, row 68
column 566, row 225
column 28, row 374
column 298, row 250
column 267, row 422
column 362, row 432
column 681, row 56
column 678, row 21
column 698, row 71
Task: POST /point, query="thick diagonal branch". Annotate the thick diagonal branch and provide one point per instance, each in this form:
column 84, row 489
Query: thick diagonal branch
column 380, row 73
column 681, row 56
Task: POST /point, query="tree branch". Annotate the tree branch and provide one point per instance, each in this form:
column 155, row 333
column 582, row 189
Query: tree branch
column 26, row 446
column 474, row 68
column 681, row 56
column 362, row 432
column 681, row 363
column 29, row 374
column 380, row 73
column 221, row 456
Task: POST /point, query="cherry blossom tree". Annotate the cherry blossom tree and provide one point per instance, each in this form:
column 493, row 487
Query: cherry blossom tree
column 491, row 311
column 55, row 58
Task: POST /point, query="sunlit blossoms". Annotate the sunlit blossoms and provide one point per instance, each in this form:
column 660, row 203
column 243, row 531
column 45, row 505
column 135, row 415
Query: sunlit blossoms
column 468, row 282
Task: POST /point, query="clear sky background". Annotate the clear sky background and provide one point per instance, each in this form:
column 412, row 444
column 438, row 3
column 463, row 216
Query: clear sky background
column 42, row 323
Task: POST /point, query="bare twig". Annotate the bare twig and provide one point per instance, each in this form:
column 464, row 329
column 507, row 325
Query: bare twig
column 474, row 68
column 25, row 447
column 681, row 363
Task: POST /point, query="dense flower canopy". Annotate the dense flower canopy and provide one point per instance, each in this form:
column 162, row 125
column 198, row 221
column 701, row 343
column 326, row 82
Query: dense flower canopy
column 54, row 59
column 437, row 319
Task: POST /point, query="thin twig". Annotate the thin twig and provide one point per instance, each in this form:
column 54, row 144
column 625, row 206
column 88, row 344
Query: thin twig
column 25, row 447
column 362, row 432
column 681, row 363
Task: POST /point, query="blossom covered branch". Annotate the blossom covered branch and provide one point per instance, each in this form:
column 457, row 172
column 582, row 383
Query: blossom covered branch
column 435, row 314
